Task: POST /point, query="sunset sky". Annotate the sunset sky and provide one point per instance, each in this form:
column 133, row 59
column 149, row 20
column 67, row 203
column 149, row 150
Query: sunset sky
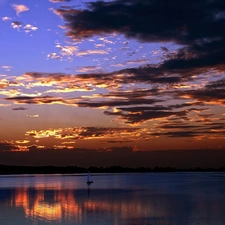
column 123, row 82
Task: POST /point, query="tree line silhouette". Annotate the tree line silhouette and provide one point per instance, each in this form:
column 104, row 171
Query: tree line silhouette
column 7, row 169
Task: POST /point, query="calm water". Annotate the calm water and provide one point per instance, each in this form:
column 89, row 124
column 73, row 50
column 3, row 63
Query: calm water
column 114, row 199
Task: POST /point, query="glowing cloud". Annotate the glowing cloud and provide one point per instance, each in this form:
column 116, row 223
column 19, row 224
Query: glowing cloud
column 20, row 8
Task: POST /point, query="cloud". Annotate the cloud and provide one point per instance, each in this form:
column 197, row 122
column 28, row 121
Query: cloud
column 200, row 126
column 137, row 61
column 132, row 94
column 137, row 18
column 131, row 62
column 91, row 52
column 67, row 50
column 19, row 108
column 53, row 55
column 58, row 1
column 6, row 146
column 86, row 133
column 90, row 69
column 101, row 79
column 16, row 25
column 29, row 27
column 6, row 18
column 37, row 100
column 195, row 27
column 171, row 96
column 20, row 8
column 216, row 85
column 33, row 116
column 212, row 129
column 120, row 102
column 130, row 105
column 157, row 100
column 212, row 93
column 7, row 68
column 22, row 141
column 146, row 115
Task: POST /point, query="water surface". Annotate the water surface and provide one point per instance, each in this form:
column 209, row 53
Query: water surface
column 114, row 199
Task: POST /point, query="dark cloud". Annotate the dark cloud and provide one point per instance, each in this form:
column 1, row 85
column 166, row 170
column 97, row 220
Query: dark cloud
column 219, row 84
column 133, row 108
column 119, row 141
column 208, row 95
column 178, row 134
column 146, row 74
column 36, row 100
column 8, row 147
column 131, row 94
column 121, row 102
column 153, row 74
column 19, row 108
column 136, row 109
column 212, row 93
column 176, row 21
column 189, row 129
column 188, row 133
column 177, row 126
column 4, row 146
column 17, row 23
column 143, row 116
column 164, row 49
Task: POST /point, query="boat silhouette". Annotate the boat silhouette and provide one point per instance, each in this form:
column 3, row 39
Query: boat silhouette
column 89, row 180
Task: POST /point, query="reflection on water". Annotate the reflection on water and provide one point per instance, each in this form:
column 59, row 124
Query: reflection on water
column 153, row 199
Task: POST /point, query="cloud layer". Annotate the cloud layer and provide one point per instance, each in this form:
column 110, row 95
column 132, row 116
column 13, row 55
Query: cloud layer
column 196, row 25
column 178, row 95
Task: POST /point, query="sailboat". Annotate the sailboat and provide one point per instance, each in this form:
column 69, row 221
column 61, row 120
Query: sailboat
column 89, row 180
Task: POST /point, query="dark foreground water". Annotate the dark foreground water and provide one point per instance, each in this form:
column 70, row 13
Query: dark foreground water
column 114, row 199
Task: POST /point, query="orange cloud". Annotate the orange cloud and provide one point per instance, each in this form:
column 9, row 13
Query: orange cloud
column 20, row 8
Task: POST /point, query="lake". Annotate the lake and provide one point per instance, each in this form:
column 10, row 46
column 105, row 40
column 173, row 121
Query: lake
column 180, row 198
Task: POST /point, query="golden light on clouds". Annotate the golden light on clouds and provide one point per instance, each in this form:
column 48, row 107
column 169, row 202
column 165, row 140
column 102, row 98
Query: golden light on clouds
column 87, row 79
column 22, row 141
column 85, row 133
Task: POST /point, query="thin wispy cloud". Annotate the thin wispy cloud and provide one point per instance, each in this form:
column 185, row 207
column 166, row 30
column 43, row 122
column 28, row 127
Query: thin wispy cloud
column 7, row 68
column 92, row 52
column 58, row 1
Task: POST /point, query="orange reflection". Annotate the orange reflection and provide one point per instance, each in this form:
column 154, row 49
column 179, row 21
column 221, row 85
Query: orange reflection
column 55, row 204
column 39, row 206
column 61, row 205
column 47, row 211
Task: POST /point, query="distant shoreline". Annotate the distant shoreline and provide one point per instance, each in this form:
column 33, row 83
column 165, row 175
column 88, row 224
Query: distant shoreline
column 10, row 169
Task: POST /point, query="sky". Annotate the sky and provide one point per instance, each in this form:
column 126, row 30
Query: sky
column 124, row 82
